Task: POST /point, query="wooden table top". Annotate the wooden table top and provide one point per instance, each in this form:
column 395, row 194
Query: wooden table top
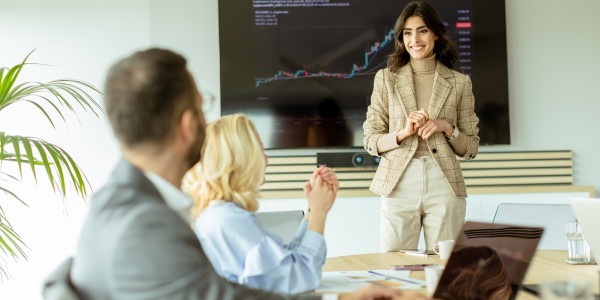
column 547, row 265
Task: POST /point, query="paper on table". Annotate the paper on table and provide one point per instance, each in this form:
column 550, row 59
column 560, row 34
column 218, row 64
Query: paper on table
column 349, row 281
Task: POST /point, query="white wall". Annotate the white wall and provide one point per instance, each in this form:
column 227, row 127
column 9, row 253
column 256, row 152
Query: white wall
column 552, row 61
column 80, row 39
column 190, row 28
column 553, row 80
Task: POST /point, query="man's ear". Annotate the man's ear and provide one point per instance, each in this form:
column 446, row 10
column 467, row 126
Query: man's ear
column 188, row 126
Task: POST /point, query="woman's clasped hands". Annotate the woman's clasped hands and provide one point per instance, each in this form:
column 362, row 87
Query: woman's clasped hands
column 320, row 192
column 418, row 122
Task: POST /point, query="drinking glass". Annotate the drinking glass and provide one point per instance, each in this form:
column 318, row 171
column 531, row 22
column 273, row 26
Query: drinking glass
column 571, row 289
column 579, row 250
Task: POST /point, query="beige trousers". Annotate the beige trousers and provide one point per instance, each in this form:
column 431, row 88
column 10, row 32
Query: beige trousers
column 422, row 198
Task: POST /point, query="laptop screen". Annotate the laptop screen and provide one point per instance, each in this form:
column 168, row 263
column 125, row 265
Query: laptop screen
column 489, row 261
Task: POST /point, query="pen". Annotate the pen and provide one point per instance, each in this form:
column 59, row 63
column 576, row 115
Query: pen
column 416, row 253
column 397, row 278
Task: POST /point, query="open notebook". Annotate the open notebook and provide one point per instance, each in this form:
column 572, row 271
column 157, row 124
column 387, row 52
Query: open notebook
column 489, row 261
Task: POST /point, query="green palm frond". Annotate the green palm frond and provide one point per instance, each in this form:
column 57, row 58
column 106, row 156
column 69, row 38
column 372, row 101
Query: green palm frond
column 64, row 92
column 7, row 192
column 10, row 241
column 58, row 164
column 50, row 98
column 13, row 158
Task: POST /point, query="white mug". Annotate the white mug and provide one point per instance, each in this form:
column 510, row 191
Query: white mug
column 444, row 248
column 432, row 277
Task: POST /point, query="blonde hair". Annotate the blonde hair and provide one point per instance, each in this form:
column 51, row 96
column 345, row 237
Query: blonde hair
column 231, row 167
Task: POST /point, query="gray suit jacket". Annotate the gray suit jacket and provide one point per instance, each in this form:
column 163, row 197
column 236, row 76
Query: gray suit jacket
column 58, row 285
column 133, row 246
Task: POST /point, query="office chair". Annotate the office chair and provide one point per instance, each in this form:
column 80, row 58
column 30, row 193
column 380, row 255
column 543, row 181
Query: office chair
column 58, row 285
column 282, row 223
column 550, row 216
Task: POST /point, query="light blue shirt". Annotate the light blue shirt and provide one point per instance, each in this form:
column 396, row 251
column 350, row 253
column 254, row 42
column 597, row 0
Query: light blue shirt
column 243, row 252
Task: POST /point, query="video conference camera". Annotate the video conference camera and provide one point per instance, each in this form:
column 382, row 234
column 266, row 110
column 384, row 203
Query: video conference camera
column 347, row 159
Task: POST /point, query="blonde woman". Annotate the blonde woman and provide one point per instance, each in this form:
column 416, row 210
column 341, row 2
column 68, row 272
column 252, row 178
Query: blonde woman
column 225, row 189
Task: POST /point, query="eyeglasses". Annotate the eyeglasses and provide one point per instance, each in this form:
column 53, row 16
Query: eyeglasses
column 209, row 101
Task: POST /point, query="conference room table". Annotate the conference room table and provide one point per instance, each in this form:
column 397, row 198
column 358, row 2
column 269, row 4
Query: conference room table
column 547, row 265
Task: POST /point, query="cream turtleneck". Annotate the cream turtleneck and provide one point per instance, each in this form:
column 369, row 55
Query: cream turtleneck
column 423, row 73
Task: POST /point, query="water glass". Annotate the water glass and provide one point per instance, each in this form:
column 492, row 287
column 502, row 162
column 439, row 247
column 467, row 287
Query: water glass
column 579, row 250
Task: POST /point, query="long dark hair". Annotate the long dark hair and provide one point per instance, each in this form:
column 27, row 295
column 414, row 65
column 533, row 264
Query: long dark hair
column 482, row 275
column 444, row 48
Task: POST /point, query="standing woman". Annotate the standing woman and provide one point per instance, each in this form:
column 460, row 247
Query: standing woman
column 420, row 118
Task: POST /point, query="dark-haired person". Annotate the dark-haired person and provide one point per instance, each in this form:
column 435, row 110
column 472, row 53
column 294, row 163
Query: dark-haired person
column 136, row 242
column 420, row 118
column 476, row 273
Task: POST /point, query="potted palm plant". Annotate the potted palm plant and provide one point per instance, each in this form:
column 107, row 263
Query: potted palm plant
column 34, row 154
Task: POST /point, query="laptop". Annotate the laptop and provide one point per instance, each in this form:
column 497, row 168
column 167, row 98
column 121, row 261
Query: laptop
column 587, row 211
column 488, row 261
column 282, row 223
column 550, row 216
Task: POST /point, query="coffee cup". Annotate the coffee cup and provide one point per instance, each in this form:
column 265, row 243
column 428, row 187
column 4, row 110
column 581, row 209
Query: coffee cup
column 432, row 277
column 444, row 248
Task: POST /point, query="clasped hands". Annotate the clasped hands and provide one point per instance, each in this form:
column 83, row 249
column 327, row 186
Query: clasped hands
column 418, row 122
column 320, row 191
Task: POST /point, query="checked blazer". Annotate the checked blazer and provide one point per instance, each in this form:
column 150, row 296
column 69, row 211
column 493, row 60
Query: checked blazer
column 393, row 99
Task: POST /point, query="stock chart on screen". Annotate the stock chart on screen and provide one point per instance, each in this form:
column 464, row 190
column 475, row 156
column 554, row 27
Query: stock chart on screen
column 303, row 70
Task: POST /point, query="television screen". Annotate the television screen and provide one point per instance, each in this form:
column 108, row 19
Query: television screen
column 303, row 70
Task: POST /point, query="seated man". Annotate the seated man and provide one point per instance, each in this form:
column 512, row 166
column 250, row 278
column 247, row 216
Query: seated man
column 136, row 242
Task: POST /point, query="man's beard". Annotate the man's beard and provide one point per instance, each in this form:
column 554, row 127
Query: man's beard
column 194, row 154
